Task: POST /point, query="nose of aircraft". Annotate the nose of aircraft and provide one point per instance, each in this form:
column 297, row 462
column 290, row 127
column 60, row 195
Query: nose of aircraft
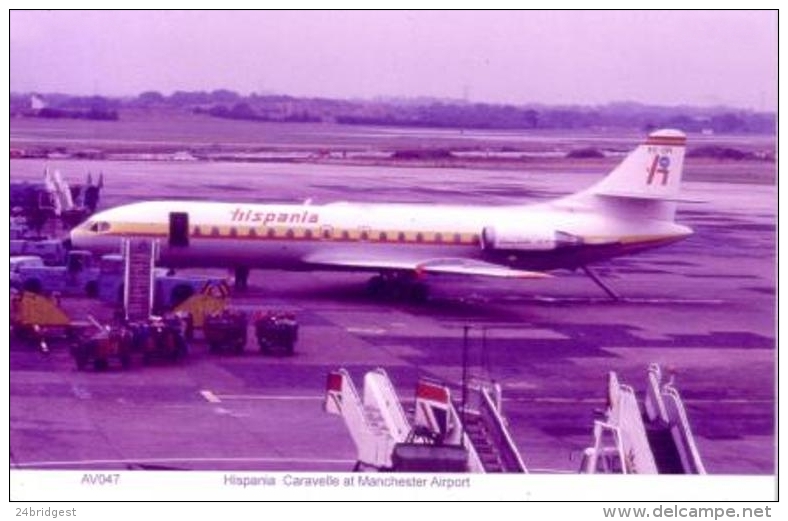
column 74, row 239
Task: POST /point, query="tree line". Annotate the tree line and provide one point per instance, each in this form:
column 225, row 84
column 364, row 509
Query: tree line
column 228, row 104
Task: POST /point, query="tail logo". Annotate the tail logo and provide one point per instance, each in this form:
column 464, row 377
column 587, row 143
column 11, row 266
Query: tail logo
column 660, row 165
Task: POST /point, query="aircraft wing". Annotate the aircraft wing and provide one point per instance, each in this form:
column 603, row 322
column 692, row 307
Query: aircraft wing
column 434, row 266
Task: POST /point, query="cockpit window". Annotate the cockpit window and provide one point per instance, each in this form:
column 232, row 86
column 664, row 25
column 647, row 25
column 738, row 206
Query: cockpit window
column 99, row 226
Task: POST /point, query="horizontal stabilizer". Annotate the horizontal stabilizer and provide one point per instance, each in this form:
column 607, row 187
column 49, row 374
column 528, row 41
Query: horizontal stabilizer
column 441, row 266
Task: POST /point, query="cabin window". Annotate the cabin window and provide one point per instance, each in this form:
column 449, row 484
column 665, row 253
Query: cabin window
column 290, row 233
column 215, row 231
column 271, row 233
column 438, row 237
column 383, row 236
column 308, row 234
column 401, row 236
column 419, row 237
column 99, row 226
column 457, row 237
column 252, row 232
column 345, row 235
column 475, row 237
column 233, row 232
column 364, row 235
column 197, row 232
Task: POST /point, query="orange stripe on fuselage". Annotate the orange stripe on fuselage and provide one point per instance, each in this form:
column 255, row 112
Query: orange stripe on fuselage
column 249, row 233
column 296, row 234
column 667, row 141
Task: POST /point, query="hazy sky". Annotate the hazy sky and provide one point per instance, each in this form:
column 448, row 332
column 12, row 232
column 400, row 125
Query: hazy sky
column 661, row 57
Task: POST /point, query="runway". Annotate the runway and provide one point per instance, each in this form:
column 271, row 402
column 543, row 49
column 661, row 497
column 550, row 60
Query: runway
column 703, row 308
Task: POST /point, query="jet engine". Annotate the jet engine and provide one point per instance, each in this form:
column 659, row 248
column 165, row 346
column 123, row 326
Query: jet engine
column 522, row 239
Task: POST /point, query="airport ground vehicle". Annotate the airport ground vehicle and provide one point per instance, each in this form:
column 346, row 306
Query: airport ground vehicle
column 42, row 203
column 80, row 276
column 211, row 299
column 111, row 342
column 175, row 291
column 226, row 330
column 17, row 262
column 276, row 331
column 160, row 338
column 40, row 319
column 50, row 251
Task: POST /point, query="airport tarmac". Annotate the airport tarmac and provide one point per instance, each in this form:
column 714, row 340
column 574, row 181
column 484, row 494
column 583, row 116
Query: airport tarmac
column 703, row 308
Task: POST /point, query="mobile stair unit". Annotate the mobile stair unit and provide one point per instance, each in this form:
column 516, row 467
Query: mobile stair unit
column 488, row 433
column 376, row 423
column 138, row 285
column 629, row 441
column 438, row 440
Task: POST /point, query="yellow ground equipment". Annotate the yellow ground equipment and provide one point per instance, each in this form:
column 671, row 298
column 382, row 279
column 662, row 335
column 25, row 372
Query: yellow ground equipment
column 39, row 319
column 211, row 300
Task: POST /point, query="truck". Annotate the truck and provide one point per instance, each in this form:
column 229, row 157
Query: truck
column 81, row 275
column 18, row 262
column 51, row 251
column 85, row 276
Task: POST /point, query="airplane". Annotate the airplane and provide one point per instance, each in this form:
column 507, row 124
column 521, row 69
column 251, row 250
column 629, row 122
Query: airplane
column 630, row 210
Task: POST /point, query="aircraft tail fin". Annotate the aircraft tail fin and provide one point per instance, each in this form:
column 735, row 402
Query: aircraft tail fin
column 649, row 177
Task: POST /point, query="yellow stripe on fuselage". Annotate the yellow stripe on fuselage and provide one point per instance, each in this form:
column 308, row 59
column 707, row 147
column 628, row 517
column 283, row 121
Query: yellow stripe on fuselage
column 324, row 233
column 331, row 234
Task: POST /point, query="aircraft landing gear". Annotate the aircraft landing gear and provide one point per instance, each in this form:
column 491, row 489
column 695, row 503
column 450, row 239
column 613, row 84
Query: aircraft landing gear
column 398, row 286
column 598, row 281
column 241, row 278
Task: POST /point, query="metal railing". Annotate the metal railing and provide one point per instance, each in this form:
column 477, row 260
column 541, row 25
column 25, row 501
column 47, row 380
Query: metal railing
column 499, row 434
column 380, row 394
column 682, row 433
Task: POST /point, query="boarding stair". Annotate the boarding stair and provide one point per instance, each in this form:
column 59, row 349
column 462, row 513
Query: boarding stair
column 657, row 440
column 672, row 441
column 479, row 438
column 140, row 260
column 488, row 433
column 438, row 438
column 376, row 423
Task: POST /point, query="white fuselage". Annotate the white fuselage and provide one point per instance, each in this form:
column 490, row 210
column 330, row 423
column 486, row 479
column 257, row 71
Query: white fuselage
column 303, row 236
